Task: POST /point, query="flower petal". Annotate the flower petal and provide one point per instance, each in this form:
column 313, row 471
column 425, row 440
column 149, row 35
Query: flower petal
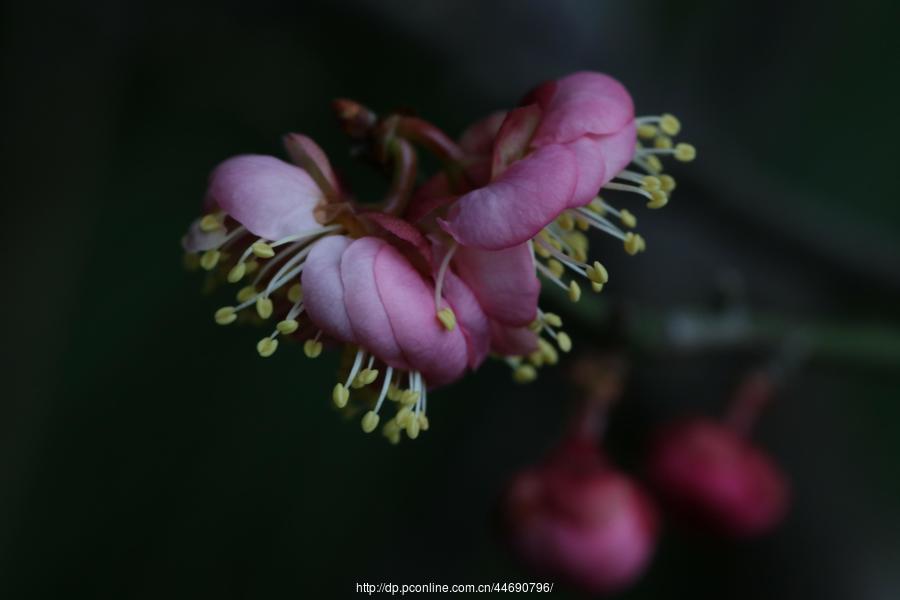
column 504, row 281
column 512, row 341
column 408, row 301
column 478, row 138
column 618, row 150
column 307, row 154
column 582, row 103
column 514, row 208
column 368, row 317
column 514, row 137
column 323, row 290
column 470, row 318
column 269, row 197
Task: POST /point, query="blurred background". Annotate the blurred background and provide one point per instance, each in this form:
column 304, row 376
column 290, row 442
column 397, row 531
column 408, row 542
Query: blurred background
column 146, row 452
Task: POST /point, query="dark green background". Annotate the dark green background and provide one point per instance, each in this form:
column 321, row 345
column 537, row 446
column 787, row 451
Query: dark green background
column 147, row 453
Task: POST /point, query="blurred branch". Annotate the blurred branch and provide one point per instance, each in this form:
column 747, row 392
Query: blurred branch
column 695, row 330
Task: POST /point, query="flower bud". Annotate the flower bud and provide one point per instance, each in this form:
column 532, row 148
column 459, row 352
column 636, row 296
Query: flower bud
column 577, row 519
column 715, row 478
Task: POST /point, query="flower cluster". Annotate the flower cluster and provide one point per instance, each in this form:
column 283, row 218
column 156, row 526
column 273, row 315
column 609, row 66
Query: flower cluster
column 424, row 284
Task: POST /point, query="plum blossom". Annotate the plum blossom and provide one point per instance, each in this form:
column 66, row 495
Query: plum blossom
column 420, row 287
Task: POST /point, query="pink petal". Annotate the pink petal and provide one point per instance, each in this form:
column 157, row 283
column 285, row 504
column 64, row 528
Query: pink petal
column 512, row 341
column 269, row 197
column 470, row 318
column 618, row 150
column 437, row 192
column 303, row 150
column 600, row 159
column 470, row 315
column 583, row 103
column 530, row 194
column 591, row 169
column 323, row 290
column 404, row 231
column 478, row 138
column 504, row 282
column 370, row 323
column 514, row 137
column 408, row 300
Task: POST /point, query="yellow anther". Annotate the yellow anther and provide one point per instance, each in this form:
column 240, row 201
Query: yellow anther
column 252, row 266
column 312, row 348
column 597, row 206
column 237, row 272
column 409, row 397
column 393, row 393
column 403, row 416
column 663, row 142
column 556, row 267
column 566, row 222
column 627, row 219
column 295, row 293
column 666, row 183
column 535, row 326
column 536, row 358
column 685, row 152
column 210, row 259
column 210, row 223
column 264, row 307
column 669, row 124
column 658, row 199
column 651, row 183
column 654, row 164
column 340, row 395
column 365, row 377
column 597, row 273
column 647, row 131
column 245, row 293
column 582, row 223
column 574, row 291
column 391, row 431
column 551, row 356
column 423, row 422
column 524, row 374
column 447, row 318
column 262, row 249
column 267, row 347
column 551, row 319
column 412, row 428
column 287, row 327
column 596, row 287
column 370, row 421
column 541, row 250
column 225, row 315
column 633, row 243
column 563, row 341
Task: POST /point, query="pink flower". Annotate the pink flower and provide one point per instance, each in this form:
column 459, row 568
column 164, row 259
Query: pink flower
column 555, row 152
column 578, row 519
column 717, row 479
column 424, row 284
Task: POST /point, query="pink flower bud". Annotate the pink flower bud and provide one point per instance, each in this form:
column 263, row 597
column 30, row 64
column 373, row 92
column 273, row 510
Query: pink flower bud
column 717, row 479
column 577, row 519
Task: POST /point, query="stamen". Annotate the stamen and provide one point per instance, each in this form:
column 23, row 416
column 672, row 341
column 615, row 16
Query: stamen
column 212, row 222
column 444, row 314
